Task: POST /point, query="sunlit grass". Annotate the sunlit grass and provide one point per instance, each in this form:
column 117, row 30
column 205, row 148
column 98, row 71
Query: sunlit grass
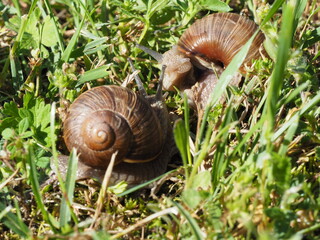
column 251, row 169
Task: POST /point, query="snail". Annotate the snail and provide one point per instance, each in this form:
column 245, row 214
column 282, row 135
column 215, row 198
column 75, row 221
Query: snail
column 109, row 119
column 204, row 50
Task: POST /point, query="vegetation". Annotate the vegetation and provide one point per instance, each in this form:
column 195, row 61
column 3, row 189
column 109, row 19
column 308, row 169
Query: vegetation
column 251, row 170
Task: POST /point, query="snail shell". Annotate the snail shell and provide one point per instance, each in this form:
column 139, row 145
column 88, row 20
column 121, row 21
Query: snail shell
column 217, row 38
column 107, row 119
column 204, row 50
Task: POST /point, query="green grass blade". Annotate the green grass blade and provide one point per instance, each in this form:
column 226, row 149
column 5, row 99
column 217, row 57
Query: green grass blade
column 16, row 72
column 199, row 157
column 253, row 130
column 301, row 5
column 219, row 162
column 13, row 222
column 289, row 134
column 66, row 54
column 104, row 16
column 88, row 10
column 197, row 233
column 309, row 229
column 181, row 138
column 313, row 102
column 275, row 6
column 15, row 66
column 276, row 81
column 293, row 94
column 33, row 6
column 140, row 186
column 17, row 7
column 315, row 57
column 36, row 190
column 95, row 46
column 93, row 74
column 53, row 138
column 67, row 187
column 65, row 209
column 18, row 213
column 205, row 149
column 187, row 127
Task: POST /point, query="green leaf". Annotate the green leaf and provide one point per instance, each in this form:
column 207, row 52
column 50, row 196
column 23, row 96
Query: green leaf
column 10, row 109
column 31, row 36
column 28, row 100
column 215, row 5
column 23, row 125
column 7, row 133
column 9, row 122
column 220, row 164
column 274, row 212
column 14, row 23
column 162, row 16
column 25, row 113
column 253, row 130
column 41, row 114
column 191, row 197
column 312, row 37
column 281, row 170
column 43, row 162
column 295, row 92
column 49, row 38
column 202, row 181
column 281, row 220
column 187, row 127
column 26, row 134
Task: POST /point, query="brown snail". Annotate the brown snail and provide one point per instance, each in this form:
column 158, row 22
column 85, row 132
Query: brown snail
column 204, row 50
column 111, row 118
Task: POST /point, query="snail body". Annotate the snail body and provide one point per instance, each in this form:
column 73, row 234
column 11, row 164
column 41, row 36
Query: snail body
column 110, row 119
column 204, row 50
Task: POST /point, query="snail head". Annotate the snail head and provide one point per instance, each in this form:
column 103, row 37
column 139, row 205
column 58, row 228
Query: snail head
column 179, row 67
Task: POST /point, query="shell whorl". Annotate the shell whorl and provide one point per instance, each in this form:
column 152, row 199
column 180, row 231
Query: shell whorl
column 218, row 38
column 110, row 118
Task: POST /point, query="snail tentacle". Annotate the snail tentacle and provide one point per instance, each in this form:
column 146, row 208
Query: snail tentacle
column 160, row 83
column 139, row 83
column 157, row 56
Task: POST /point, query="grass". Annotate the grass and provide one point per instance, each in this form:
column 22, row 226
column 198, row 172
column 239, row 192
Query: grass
column 251, row 171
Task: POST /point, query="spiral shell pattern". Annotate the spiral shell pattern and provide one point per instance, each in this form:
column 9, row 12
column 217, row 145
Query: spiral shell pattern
column 217, row 38
column 107, row 119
